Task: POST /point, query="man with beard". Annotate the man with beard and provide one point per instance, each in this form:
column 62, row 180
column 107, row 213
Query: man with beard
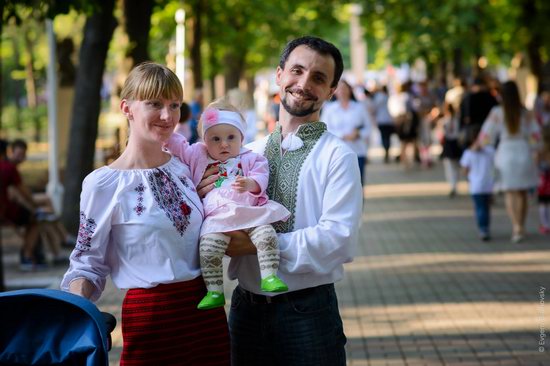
column 315, row 175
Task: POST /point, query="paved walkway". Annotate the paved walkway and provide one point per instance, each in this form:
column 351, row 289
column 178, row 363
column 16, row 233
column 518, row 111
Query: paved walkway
column 423, row 290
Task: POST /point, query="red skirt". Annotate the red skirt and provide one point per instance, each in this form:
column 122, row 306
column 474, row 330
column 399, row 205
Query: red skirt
column 162, row 326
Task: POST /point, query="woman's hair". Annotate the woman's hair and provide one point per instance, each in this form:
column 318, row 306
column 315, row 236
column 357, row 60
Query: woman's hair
column 150, row 80
column 511, row 104
column 221, row 104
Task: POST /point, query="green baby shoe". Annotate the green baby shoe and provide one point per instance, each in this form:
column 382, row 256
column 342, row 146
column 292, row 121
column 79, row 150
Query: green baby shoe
column 213, row 299
column 273, row 283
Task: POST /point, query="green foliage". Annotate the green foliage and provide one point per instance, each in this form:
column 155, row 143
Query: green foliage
column 163, row 29
column 256, row 31
column 27, row 116
column 18, row 10
column 404, row 30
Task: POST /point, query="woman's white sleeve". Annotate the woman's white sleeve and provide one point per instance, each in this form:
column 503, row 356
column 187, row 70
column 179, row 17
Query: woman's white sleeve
column 88, row 259
column 491, row 127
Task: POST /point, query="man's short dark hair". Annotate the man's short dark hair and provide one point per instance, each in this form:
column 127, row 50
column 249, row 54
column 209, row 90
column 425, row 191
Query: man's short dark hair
column 319, row 45
column 18, row 143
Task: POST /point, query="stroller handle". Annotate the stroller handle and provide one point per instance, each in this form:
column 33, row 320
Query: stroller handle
column 110, row 324
column 110, row 321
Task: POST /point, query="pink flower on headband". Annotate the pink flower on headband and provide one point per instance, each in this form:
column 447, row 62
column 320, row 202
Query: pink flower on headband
column 210, row 116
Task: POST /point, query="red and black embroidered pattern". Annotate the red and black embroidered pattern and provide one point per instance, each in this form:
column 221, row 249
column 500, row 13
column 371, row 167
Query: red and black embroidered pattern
column 139, row 208
column 170, row 199
column 85, row 232
column 186, row 183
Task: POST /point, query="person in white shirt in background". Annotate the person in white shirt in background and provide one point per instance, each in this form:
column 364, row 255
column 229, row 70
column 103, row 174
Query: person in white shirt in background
column 452, row 151
column 315, row 175
column 383, row 120
column 519, row 138
column 349, row 120
column 477, row 162
column 400, row 106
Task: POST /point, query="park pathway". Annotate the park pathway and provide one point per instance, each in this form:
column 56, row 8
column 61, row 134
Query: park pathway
column 424, row 290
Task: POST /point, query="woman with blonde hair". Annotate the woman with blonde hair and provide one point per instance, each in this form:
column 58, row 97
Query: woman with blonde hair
column 140, row 219
column 519, row 136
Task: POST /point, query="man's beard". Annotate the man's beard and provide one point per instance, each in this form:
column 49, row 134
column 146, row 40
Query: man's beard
column 298, row 111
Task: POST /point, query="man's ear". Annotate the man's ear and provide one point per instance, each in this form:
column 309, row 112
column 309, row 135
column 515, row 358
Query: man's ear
column 278, row 76
column 331, row 93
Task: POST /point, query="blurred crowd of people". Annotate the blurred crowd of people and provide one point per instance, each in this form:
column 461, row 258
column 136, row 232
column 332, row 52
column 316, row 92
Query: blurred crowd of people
column 486, row 133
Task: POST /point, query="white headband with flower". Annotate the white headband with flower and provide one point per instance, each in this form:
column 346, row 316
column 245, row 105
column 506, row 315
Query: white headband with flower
column 212, row 117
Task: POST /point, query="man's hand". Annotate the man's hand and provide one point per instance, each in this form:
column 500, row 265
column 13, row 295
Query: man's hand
column 207, row 183
column 240, row 244
column 244, row 184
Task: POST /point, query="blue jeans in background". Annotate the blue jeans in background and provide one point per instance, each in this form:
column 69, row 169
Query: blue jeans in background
column 301, row 328
column 362, row 160
column 482, row 205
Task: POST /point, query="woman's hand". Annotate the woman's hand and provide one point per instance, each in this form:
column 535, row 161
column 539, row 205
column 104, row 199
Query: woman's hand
column 82, row 287
column 244, row 184
column 240, row 244
column 207, row 183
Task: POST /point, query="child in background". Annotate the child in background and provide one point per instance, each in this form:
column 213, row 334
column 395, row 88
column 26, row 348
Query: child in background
column 238, row 201
column 544, row 182
column 477, row 162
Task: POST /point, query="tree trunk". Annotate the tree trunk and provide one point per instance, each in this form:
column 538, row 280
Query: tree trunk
column 477, row 46
column 30, row 83
column 234, row 66
column 98, row 32
column 2, row 285
column 137, row 14
column 195, row 47
column 535, row 58
column 535, row 40
column 458, row 69
column 17, row 92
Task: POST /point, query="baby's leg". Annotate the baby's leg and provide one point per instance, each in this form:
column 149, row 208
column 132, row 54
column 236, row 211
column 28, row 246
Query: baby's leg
column 212, row 250
column 264, row 238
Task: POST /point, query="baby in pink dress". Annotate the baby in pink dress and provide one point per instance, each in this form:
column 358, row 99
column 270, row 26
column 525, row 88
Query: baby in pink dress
column 238, row 201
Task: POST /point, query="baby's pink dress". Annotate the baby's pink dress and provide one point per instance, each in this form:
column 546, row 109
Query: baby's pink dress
column 226, row 209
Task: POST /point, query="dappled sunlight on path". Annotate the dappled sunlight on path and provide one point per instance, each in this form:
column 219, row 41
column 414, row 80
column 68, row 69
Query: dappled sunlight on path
column 424, row 290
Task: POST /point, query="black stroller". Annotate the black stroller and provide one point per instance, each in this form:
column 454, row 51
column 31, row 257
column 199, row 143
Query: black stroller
column 52, row 327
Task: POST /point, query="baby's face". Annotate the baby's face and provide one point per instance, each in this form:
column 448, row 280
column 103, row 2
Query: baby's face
column 223, row 142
